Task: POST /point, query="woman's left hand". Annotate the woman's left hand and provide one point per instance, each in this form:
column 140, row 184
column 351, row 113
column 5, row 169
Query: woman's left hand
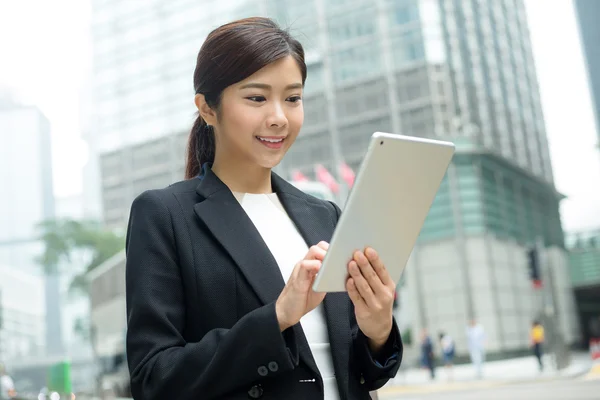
column 371, row 289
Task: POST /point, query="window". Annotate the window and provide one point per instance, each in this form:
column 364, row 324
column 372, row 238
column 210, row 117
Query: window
column 413, row 84
column 407, row 47
column 290, row 12
column 310, row 150
column 418, row 121
column 363, row 98
column 470, row 196
column 335, row 6
column 439, row 223
column 403, row 12
column 315, row 111
column 355, row 138
column 357, row 62
column 352, row 25
column 314, row 78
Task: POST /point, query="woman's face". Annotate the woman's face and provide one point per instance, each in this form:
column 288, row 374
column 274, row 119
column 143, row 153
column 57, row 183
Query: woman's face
column 260, row 117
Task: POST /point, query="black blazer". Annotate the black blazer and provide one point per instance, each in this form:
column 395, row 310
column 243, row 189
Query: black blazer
column 201, row 292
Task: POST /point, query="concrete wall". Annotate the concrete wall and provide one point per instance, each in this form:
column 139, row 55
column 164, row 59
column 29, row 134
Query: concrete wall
column 502, row 296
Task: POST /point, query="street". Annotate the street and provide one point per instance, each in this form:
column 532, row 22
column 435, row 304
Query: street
column 548, row 390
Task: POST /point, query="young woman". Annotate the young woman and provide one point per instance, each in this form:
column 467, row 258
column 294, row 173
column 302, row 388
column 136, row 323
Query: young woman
column 448, row 352
column 220, row 266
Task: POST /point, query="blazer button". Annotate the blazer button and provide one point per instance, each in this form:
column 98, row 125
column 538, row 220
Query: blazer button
column 362, row 380
column 273, row 366
column 255, row 392
column 263, row 371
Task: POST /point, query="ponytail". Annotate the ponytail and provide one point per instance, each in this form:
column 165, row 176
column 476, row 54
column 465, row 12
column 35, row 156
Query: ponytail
column 200, row 149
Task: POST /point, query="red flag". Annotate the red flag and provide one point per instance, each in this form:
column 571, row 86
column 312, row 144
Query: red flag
column 324, row 176
column 347, row 174
column 298, row 176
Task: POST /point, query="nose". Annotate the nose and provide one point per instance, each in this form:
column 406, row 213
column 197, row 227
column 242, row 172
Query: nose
column 277, row 117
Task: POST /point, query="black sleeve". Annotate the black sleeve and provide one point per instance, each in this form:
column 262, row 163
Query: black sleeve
column 375, row 369
column 162, row 364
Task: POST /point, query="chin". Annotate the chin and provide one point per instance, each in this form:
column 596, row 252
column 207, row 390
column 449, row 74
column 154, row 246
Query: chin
column 270, row 164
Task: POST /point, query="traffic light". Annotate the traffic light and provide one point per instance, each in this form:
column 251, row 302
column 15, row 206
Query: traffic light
column 533, row 265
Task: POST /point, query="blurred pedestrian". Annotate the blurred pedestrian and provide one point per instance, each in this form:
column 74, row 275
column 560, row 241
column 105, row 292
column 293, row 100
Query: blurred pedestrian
column 7, row 386
column 427, row 356
column 537, row 341
column 447, row 344
column 476, row 342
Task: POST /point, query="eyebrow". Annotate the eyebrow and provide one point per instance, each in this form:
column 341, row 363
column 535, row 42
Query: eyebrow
column 256, row 85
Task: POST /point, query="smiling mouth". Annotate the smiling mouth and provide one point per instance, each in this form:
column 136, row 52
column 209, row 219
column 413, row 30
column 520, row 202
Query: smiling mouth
column 270, row 140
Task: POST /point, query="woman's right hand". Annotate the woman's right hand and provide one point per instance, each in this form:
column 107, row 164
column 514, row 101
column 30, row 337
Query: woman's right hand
column 297, row 297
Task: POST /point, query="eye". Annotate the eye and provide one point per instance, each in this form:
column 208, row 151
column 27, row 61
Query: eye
column 294, row 99
column 257, row 99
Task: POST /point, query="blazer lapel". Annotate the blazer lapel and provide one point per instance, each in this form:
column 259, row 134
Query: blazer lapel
column 228, row 222
column 222, row 214
column 315, row 223
column 225, row 218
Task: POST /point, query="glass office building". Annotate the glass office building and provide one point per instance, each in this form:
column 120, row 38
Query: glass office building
column 459, row 70
column 584, row 257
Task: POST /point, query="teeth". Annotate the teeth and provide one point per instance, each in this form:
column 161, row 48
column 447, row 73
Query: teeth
column 270, row 140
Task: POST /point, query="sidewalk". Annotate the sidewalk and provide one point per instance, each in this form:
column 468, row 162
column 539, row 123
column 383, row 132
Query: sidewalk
column 496, row 373
column 594, row 373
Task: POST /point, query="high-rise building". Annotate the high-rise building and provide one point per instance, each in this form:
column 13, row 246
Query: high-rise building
column 22, row 327
column 584, row 257
column 27, row 199
column 588, row 13
column 461, row 70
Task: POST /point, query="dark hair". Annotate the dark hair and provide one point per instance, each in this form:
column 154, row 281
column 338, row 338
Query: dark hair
column 230, row 54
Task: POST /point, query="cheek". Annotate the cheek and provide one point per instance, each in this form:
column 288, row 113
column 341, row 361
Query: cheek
column 296, row 119
column 242, row 120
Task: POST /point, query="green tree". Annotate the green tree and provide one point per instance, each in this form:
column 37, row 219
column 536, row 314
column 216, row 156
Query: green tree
column 67, row 240
column 76, row 248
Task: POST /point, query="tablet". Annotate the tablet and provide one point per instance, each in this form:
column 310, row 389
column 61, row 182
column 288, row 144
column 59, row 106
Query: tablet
column 394, row 189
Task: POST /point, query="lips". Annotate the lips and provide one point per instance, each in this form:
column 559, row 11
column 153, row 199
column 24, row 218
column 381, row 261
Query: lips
column 272, row 142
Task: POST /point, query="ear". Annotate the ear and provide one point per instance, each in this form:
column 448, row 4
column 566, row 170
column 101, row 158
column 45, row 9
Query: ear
column 207, row 113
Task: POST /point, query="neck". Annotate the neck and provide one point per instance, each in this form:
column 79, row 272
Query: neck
column 241, row 177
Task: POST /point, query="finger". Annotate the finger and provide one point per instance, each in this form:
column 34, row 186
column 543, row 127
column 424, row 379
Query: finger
column 307, row 269
column 361, row 284
column 324, row 245
column 316, row 252
column 354, row 295
column 368, row 272
column 379, row 268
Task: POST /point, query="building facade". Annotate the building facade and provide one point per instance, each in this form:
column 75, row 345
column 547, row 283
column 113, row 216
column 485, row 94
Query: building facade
column 22, row 325
column 584, row 257
column 109, row 323
column 588, row 12
column 458, row 70
column 27, row 199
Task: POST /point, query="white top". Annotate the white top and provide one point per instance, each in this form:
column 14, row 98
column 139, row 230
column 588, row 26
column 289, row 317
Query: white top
column 288, row 247
column 476, row 337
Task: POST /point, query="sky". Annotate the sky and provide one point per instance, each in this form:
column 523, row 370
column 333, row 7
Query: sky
column 45, row 56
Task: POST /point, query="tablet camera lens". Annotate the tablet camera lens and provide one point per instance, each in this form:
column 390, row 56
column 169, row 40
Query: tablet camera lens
column 381, row 142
